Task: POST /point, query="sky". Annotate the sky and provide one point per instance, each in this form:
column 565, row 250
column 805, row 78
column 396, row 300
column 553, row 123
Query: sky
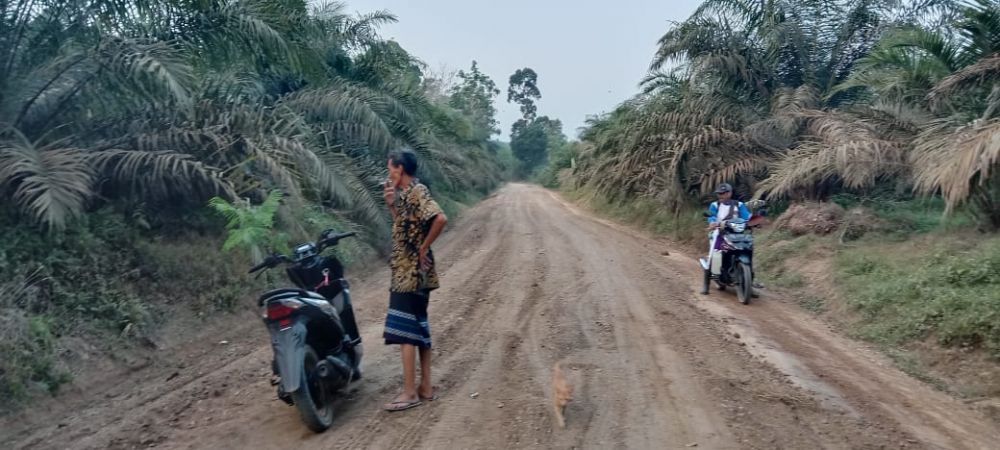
column 589, row 55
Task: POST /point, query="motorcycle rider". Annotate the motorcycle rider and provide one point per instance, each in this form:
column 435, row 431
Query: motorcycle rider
column 725, row 208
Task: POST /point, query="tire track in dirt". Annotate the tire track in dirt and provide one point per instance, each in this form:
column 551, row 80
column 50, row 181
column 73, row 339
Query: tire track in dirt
column 510, row 298
column 647, row 397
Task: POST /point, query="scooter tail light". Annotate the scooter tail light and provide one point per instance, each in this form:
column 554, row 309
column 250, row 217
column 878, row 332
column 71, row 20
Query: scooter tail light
column 281, row 309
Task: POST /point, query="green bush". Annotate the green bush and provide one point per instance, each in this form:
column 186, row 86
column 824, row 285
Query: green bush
column 560, row 158
column 910, row 215
column 950, row 291
column 27, row 357
column 83, row 268
column 99, row 277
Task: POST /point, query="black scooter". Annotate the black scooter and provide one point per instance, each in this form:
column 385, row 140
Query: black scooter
column 317, row 348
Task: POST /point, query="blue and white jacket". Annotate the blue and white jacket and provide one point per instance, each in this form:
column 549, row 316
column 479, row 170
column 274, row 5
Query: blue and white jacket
column 742, row 212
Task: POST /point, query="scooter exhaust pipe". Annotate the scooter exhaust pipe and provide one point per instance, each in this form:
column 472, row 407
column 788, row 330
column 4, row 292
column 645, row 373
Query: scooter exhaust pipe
column 333, row 370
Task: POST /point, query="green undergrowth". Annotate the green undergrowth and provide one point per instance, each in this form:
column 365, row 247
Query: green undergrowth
column 945, row 287
column 771, row 250
column 940, row 280
column 922, row 275
column 106, row 278
column 903, row 218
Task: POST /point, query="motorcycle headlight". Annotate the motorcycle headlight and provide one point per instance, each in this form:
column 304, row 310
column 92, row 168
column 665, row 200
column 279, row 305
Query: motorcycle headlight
column 305, row 251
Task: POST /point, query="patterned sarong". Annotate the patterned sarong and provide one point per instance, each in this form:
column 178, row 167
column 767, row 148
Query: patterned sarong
column 406, row 322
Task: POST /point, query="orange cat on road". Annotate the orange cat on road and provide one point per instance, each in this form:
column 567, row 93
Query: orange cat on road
column 562, row 393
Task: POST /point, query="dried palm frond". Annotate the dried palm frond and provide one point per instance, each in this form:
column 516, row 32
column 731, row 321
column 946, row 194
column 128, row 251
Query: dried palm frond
column 983, row 71
column 840, row 149
column 956, row 160
column 50, row 182
column 854, row 164
column 739, row 166
column 902, row 120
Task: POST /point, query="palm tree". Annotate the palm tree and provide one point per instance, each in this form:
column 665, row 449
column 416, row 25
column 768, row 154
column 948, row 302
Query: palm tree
column 185, row 99
column 950, row 76
column 753, row 97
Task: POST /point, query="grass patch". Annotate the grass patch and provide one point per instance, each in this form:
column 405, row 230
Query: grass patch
column 786, row 279
column 813, row 304
column 28, row 363
column 196, row 273
column 771, row 250
column 947, row 288
column 911, row 365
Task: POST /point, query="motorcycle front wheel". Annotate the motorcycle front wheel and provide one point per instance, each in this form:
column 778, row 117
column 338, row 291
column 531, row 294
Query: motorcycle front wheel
column 745, row 288
column 313, row 399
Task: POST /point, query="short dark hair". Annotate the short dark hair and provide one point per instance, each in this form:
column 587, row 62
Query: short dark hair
column 406, row 158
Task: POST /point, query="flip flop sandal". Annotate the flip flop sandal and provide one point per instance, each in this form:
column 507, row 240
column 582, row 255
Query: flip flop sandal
column 402, row 405
column 429, row 399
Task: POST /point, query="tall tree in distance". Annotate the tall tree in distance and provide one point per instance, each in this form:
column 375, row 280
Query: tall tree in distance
column 473, row 96
column 531, row 136
column 523, row 90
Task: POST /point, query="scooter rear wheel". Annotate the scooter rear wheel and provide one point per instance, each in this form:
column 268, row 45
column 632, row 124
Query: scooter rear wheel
column 313, row 399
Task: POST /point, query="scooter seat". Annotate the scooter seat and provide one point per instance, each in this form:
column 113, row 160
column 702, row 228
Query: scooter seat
column 277, row 294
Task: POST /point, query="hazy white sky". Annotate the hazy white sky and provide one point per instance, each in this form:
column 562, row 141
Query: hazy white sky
column 589, row 55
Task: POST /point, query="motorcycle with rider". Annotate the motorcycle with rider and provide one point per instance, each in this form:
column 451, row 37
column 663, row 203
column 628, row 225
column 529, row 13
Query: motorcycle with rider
column 730, row 254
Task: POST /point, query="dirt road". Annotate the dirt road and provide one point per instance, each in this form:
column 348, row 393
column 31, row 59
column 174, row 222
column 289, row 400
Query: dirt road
column 530, row 281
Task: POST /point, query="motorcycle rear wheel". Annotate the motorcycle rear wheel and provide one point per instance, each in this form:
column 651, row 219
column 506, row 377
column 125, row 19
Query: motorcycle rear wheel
column 313, row 399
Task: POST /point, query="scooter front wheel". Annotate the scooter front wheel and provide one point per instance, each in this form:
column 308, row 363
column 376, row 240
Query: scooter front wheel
column 745, row 287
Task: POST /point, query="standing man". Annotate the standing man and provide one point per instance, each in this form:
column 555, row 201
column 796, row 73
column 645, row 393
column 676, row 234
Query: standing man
column 417, row 220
